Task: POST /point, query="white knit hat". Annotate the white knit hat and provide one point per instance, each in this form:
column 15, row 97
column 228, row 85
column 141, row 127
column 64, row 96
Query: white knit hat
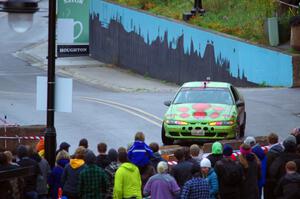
column 250, row 140
column 205, row 163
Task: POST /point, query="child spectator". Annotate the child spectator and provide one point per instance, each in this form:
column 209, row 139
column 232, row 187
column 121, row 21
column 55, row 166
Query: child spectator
column 162, row 184
column 54, row 180
column 274, row 151
column 92, row 183
column 259, row 152
column 10, row 158
column 140, row 153
column 111, row 171
column 277, row 168
column 30, row 182
column 128, row 182
column 209, row 173
column 216, row 153
column 196, row 187
column 182, row 171
column 156, row 158
column 230, row 175
column 195, row 153
column 71, row 173
column 252, row 172
column 102, row 159
column 289, row 185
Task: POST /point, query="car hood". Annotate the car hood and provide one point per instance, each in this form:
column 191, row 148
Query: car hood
column 201, row 112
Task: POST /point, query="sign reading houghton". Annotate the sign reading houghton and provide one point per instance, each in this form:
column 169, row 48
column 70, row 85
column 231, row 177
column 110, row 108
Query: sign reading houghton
column 72, row 28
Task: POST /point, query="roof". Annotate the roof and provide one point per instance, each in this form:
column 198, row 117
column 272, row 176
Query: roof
column 209, row 84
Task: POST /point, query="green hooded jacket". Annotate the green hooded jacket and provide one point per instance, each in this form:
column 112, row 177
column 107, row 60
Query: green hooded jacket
column 217, row 148
column 127, row 182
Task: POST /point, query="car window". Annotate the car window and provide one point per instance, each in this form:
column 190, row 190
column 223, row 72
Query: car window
column 204, row 95
column 235, row 94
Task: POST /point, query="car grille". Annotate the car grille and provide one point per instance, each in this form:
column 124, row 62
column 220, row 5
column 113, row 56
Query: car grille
column 207, row 134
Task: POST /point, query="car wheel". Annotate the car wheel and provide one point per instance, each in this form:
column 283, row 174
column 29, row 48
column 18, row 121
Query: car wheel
column 165, row 140
column 243, row 127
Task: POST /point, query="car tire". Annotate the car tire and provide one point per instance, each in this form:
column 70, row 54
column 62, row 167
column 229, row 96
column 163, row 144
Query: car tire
column 164, row 138
column 243, row 127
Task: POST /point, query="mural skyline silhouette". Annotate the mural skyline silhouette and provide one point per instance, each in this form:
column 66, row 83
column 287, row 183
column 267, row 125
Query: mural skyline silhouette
column 159, row 59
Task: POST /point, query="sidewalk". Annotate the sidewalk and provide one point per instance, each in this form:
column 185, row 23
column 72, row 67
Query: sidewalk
column 94, row 72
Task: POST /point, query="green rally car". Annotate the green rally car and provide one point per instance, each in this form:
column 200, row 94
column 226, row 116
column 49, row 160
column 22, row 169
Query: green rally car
column 204, row 111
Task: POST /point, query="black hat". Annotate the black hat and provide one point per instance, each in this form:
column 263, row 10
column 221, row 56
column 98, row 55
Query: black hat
column 64, row 146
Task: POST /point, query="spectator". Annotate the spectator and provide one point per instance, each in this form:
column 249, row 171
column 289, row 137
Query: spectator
column 71, row 174
column 289, row 185
column 84, row 143
column 54, row 181
column 93, row 181
column 209, row 173
column 188, row 157
column 195, row 153
column 102, row 159
column 63, row 146
column 274, row 151
column 9, row 189
column 250, row 140
column 156, row 158
column 216, row 153
column 30, row 182
column 182, row 172
column 251, row 168
column 111, row 171
column 230, row 175
column 162, row 185
column 10, row 158
column 259, row 152
column 128, row 182
column 42, row 186
column 197, row 187
column 40, row 148
column 277, row 168
column 140, row 153
column 296, row 133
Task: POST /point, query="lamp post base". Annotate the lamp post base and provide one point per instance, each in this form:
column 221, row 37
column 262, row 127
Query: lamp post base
column 50, row 146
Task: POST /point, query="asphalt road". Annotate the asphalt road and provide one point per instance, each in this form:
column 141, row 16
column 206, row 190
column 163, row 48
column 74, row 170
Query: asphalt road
column 103, row 115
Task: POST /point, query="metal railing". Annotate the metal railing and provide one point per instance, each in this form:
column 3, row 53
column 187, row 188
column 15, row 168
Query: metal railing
column 17, row 173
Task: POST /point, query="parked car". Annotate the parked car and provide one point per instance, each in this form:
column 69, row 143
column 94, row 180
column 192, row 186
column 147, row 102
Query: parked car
column 204, row 111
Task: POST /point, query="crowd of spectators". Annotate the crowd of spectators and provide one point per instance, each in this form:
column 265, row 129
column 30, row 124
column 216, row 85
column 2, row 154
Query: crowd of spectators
column 139, row 171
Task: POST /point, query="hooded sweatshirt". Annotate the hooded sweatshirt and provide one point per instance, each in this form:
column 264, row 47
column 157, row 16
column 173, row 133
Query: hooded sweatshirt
column 289, row 186
column 127, row 182
column 217, row 153
column 71, row 174
column 140, row 153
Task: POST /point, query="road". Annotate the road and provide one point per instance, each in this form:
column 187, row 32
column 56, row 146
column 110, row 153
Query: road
column 103, row 115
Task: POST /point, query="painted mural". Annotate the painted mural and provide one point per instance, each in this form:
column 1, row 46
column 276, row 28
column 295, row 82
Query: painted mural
column 171, row 51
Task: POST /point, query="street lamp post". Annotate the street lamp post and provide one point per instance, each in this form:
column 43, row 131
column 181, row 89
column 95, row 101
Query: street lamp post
column 50, row 136
column 20, row 19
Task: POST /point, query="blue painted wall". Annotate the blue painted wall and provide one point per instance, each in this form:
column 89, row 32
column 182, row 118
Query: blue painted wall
column 259, row 65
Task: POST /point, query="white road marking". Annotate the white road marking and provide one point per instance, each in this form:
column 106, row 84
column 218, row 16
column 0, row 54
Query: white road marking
column 125, row 108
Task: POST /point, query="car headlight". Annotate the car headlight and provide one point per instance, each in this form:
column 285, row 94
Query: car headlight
column 175, row 122
column 221, row 123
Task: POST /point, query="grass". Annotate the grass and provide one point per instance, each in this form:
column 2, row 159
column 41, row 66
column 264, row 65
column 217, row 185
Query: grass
column 241, row 18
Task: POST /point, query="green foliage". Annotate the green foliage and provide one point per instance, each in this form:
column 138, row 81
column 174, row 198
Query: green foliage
column 241, row 18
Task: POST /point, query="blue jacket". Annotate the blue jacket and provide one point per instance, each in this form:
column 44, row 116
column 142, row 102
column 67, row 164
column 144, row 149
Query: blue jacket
column 257, row 150
column 140, row 153
column 213, row 183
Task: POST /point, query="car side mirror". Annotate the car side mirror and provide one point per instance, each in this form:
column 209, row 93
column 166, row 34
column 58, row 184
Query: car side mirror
column 167, row 103
column 240, row 103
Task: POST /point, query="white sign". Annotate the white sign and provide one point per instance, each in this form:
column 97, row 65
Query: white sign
column 63, row 94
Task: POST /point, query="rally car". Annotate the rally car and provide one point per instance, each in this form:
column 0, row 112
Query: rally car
column 204, row 111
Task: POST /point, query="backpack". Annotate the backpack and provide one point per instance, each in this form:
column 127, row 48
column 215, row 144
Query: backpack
column 232, row 173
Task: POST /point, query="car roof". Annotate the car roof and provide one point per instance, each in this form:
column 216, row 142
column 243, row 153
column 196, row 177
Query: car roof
column 209, row 84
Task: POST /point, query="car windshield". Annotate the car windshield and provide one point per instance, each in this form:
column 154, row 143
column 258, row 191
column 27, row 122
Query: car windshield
column 204, row 95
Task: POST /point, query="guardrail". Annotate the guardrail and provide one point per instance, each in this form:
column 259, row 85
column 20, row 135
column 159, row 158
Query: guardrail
column 287, row 4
